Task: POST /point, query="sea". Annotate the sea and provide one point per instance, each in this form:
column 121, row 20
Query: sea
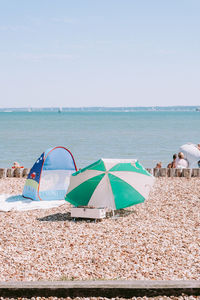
column 150, row 136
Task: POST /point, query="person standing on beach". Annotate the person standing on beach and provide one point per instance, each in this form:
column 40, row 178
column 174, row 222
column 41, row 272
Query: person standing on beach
column 181, row 162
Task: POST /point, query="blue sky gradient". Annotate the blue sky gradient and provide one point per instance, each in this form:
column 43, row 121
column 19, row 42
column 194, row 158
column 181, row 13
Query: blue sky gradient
column 99, row 53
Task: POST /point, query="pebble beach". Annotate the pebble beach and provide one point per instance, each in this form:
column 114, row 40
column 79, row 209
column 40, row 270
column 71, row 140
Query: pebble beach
column 156, row 240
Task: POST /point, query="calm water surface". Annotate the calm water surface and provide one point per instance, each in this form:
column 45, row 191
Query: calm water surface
column 148, row 136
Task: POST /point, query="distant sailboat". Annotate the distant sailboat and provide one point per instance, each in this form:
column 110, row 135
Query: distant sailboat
column 198, row 109
column 30, row 109
column 60, row 109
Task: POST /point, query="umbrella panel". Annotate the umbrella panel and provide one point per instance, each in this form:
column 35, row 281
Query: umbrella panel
column 80, row 196
column 124, row 194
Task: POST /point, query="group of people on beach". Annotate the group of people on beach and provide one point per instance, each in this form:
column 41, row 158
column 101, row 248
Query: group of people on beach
column 179, row 161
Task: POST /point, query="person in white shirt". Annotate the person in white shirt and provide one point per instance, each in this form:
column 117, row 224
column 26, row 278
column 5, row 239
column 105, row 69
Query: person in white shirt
column 181, row 162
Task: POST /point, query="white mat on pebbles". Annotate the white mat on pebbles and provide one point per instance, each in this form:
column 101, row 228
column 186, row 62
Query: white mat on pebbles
column 10, row 202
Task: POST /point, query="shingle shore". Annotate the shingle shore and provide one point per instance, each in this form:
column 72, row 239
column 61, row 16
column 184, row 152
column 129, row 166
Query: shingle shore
column 158, row 239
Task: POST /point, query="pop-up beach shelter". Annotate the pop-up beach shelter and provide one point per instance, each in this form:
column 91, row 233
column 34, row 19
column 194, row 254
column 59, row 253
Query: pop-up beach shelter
column 49, row 177
column 110, row 183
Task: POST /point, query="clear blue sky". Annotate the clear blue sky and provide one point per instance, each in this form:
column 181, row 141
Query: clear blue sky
column 99, row 53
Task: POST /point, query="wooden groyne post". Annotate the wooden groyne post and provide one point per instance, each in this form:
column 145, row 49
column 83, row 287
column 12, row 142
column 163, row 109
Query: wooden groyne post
column 18, row 173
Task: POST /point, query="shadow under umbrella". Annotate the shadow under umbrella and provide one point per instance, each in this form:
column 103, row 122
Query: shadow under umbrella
column 59, row 217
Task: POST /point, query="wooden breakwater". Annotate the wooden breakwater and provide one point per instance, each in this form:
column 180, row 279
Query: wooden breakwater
column 21, row 172
column 162, row 172
column 173, row 172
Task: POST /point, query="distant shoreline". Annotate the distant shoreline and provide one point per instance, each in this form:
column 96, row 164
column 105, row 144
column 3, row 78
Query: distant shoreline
column 102, row 109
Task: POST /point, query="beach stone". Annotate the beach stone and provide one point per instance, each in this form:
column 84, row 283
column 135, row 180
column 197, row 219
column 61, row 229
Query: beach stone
column 9, row 173
column 186, row 173
column 196, row 172
column 2, row 173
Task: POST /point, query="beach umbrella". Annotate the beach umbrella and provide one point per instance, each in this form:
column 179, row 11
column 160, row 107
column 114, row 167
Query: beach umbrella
column 110, row 183
column 192, row 154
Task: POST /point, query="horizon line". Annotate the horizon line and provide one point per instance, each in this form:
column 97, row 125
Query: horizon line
column 76, row 107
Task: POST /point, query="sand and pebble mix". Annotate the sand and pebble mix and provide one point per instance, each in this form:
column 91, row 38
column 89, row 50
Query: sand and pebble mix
column 156, row 240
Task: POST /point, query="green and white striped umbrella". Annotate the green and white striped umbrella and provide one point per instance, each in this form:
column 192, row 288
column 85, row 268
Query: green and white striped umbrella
column 111, row 183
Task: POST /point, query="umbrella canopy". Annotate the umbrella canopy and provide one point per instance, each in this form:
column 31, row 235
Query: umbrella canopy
column 111, row 183
column 192, row 154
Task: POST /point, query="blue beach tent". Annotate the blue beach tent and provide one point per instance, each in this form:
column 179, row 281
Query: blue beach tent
column 49, row 177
